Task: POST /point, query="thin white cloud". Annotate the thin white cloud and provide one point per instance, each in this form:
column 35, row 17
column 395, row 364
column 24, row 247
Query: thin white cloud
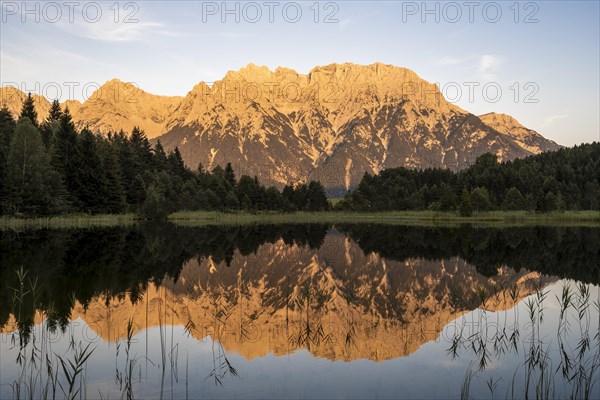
column 105, row 26
column 488, row 66
column 552, row 119
column 109, row 31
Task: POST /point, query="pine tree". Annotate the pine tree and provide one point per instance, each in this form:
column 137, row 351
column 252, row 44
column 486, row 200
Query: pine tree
column 176, row 165
column 64, row 148
column 141, row 148
column 55, row 113
column 28, row 174
column 7, row 129
column 50, row 125
column 247, row 192
column 160, row 157
column 28, row 110
column 288, row 192
column 90, row 185
column 299, row 199
column 115, row 201
column 230, row 175
column 136, row 159
column 316, row 197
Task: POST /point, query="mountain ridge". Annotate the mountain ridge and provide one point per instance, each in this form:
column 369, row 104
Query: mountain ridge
column 333, row 124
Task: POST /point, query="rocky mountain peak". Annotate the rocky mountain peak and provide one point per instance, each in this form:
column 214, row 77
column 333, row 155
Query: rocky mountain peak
column 526, row 138
column 250, row 73
column 333, row 124
column 501, row 120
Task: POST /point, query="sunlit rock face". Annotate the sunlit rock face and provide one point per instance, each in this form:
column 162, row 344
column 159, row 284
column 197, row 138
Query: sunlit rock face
column 333, row 124
column 334, row 301
column 527, row 138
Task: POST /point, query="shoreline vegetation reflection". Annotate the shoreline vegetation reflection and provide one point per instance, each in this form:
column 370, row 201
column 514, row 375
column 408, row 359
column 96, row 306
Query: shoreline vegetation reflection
column 341, row 292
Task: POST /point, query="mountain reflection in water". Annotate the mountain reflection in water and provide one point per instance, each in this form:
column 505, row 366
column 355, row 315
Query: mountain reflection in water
column 342, row 293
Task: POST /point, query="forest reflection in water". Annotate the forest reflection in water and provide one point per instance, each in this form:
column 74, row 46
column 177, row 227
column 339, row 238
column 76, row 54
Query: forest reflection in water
column 144, row 311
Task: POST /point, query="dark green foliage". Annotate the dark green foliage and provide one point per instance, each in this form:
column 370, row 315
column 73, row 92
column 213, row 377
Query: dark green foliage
column 176, row 164
column 55, row 112
column 299, row 197
column 465, row 208
column 230, row 175
column 28, row 110
column 7, row 129
column 447, row 200
column 316, row 199
column 155, row 205
column 50, row 126
column 567, row 179
column 514, row 200
column 160, row 157
column 231, row 201
column 114, row 190
column 64, row 148
column 29, row 179
column 480, row 199
column 90, row 186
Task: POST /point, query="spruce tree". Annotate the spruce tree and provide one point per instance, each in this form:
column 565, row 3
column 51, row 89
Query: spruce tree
column 316, row 197
column 28, row 110
column 230, row 175
column 50, row 125
column 160, row 157
column 7, row 129
column 176, row 164
column 90, row 184
column 64, row 148
column 28, row 174
column 299, row 199
column 55, row 112
column 141, row 148
column 115, row 196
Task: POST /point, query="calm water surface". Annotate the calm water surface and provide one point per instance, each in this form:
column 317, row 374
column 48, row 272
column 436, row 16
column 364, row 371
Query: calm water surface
column 300, row 311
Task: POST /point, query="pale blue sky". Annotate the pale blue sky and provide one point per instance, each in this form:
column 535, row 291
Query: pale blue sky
column 174, row 45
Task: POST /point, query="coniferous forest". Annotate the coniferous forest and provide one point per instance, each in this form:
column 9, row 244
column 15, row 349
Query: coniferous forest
column 52, row 168
column 567, row 179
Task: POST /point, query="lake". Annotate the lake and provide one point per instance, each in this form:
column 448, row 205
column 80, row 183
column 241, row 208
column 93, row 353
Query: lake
column 300, row 311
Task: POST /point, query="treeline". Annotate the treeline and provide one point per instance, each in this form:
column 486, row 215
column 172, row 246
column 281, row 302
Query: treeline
column 567, row 179
column 52, row 168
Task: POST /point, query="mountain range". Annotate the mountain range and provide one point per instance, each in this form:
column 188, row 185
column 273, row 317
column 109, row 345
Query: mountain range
column 333, row 124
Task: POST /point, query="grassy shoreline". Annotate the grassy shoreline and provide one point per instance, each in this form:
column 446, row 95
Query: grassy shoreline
column 71, row 221
column 417, row 218
column 567, row 218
